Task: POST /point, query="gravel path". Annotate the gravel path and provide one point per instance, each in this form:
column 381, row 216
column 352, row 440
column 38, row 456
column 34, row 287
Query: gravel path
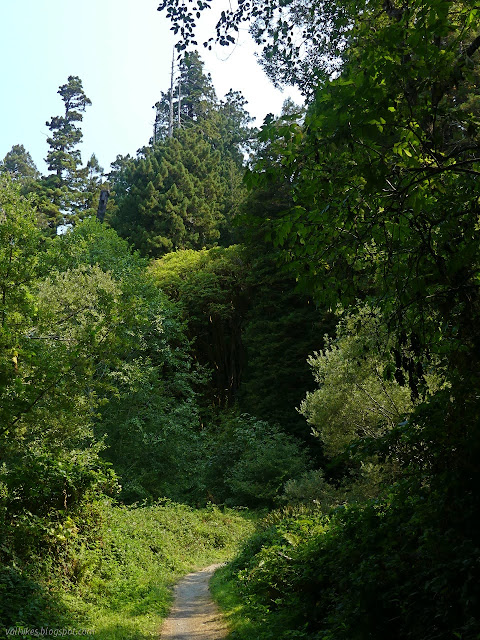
column 194, row 615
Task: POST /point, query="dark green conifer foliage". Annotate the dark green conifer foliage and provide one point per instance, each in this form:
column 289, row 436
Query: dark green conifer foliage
column 64, row 158
column 19, row 164
column 174, row 196
column 234, row 126
column 197, row 94
column 193, row 96
column 93, row 174
column 185, row 190
column 281, row 329
column 225, row 124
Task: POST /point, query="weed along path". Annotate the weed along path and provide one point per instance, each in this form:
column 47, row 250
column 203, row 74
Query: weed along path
column 194, row 615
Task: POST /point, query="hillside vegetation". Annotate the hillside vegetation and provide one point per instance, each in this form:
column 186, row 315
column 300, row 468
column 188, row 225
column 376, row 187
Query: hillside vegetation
column 283, row 321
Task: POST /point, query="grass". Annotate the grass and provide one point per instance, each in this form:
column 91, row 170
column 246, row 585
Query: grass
column 229, row 599
column 245, row 619
column 122, row 586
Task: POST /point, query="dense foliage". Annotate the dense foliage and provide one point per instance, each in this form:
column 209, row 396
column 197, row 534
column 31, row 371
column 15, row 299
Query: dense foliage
column 18, row 163
column 118, row 583
column 210, row 287
column 174, row 196
column 189, row 376
column 184, row 190
column 381, row 214
column 370, row 571
column 249, row 328
column 56, row 332
column 250, row 461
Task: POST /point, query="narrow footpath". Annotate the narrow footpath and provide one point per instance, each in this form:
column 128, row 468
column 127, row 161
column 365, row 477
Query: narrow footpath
column 194, row 615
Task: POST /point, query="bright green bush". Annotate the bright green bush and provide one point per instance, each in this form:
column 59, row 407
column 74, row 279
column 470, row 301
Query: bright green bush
column 357, row 395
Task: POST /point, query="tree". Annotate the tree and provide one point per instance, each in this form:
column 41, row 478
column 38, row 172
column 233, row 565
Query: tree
column 148, row 418
column 193, row 98
column 64, row 159
column 19, row 164
column 92, row 184
column 53, row 327
column 235, row 133
column 151, row 425
column 382, row 175
column 249, row 329
column 20, row 241
column 225, row 124
column 302, row 42
column 174, row 198
column 357, row 395
column 210, row 289
column 280, row 329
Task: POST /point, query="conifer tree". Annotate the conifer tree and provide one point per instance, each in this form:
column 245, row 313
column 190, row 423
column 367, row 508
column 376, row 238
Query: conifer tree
column 171, row 197
column 193, row 97
column 19, row 164
column 92, row 183
column 235, row 126
column 64, row 158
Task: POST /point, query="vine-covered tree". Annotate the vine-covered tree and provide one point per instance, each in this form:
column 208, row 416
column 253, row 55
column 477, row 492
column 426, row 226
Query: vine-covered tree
column 210, row 287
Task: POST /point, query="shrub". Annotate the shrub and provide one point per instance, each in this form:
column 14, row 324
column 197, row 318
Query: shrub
column 251, row 461
column 312, row 488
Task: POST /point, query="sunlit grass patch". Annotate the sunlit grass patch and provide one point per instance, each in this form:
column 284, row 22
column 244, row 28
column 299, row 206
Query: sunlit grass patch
column 123, row 585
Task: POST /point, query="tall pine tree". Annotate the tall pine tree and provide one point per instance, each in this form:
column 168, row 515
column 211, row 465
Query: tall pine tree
column 191, row 95
column 64, row 158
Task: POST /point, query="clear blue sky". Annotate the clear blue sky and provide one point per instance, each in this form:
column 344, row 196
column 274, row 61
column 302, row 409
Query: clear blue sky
column 121, row 49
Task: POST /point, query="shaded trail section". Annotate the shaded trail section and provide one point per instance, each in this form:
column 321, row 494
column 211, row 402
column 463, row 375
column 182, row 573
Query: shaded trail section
column 194, row 615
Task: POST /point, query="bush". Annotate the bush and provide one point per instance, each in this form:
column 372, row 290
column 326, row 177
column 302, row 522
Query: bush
column 405, row 567
column 251, row 461
column 311, row 488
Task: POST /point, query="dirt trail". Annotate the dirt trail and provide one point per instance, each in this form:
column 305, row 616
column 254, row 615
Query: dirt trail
column 194, row 615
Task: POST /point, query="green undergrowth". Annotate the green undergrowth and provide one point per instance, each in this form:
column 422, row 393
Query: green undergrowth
column 404, row 566
column 124, row 585
column 251, row 589
column 119, row 583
